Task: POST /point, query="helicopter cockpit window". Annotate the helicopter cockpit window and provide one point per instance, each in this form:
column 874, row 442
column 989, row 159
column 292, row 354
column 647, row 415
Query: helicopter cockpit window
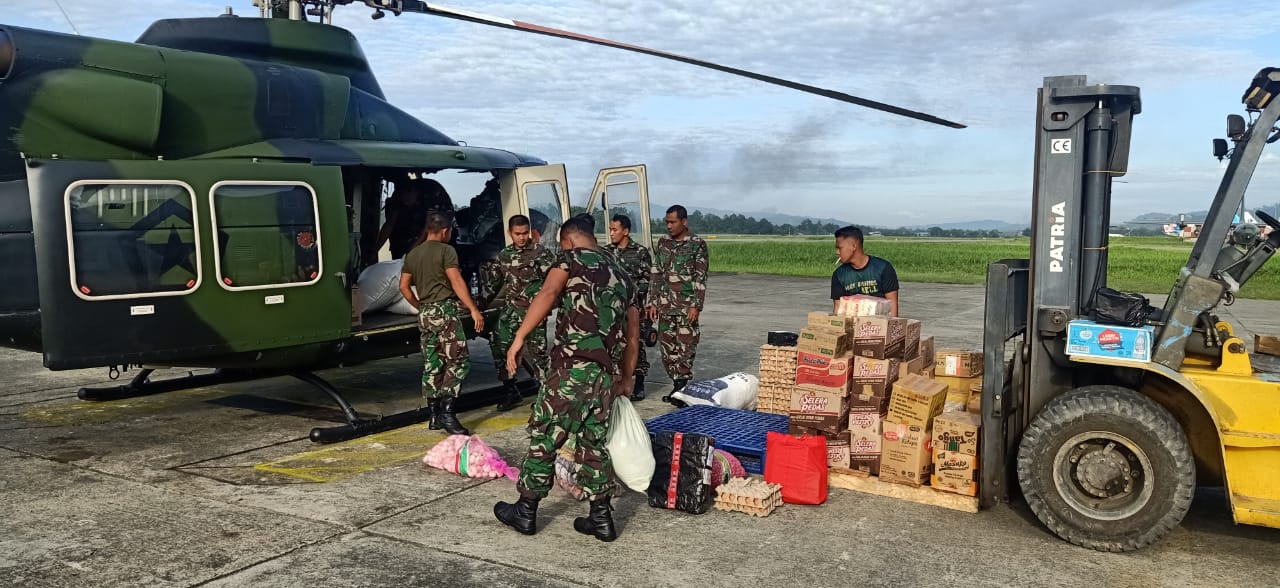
column 545, row 214
column 268, row 235
column 132, row 240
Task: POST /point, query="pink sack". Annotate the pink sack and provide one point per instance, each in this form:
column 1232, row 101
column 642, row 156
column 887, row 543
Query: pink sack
column 468, row 457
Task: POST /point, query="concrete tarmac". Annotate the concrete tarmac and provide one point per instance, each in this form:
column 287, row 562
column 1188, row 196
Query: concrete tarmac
column 220, row 486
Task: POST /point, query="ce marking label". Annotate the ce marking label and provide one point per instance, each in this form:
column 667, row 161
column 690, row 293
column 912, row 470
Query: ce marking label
column 1060, row 146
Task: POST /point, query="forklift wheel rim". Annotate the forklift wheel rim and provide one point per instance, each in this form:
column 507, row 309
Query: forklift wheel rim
column 1067, row 477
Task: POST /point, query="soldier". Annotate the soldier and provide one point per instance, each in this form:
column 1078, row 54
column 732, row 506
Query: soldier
column 432, row 267
column 597, row 329
column 406, row 212
column 676, row 292
column 638, row 264
column 514, row 279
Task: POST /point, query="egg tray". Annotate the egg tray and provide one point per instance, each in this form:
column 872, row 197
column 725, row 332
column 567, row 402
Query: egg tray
column 752, row 496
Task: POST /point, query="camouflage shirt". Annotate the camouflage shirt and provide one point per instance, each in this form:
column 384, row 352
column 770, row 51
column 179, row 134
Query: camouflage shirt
column 516, row 275
column 637, row 262
column 679, row 279
column 591, row 324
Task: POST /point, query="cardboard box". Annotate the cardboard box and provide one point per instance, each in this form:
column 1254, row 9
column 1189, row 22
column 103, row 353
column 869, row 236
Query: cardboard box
column 823, row 341
column 926, row 351
column 956, row 432
column 831, row 321
column 863, row 305
column 1091, row 339
column 879, row 337
column 905, row 456
column 838, row 450
column 955, row 472
column 974, row 405
column 911, row 339
column 873, row 377
column 865, row 464
column 824, row 411
column 869, row 403
column 914, row 365
column 357, row 313
column 957, row 362
column 820, row 372
column 916, row 400
column 1266, row 344
column 865, row 433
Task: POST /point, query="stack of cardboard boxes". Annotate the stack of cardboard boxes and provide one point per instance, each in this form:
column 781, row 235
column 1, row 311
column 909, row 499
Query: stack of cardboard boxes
column 961, row 371
column 888, row 404
column 777, row 379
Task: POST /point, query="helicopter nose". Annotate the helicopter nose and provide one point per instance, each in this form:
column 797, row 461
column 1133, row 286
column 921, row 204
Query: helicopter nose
column 7, row 54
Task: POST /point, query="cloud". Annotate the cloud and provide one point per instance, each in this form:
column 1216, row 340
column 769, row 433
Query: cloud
column 716, row 140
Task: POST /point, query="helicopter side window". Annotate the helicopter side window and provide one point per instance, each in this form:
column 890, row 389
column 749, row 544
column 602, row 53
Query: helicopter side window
column 543, row 199
column 132, row 240
column 268, row 234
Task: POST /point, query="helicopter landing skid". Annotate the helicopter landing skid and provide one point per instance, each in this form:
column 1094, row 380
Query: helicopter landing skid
column 359, row 427
column 141, row 385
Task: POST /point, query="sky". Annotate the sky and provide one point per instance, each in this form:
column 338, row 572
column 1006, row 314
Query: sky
column 719, row 141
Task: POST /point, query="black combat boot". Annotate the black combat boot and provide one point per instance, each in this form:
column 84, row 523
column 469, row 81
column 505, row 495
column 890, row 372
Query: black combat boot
column 513, row 397
column 433, row 405
column 677, row 385
column 637, row 393
column 521, row 516
column 599, row 522
column 449, row 420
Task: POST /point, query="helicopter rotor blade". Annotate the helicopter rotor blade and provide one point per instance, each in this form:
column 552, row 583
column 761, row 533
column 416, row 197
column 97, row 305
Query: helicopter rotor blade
column 458, row 14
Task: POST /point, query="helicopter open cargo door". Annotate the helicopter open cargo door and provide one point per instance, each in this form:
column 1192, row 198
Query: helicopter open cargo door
column 542, row 193
column 189, row 263
column 622, row 190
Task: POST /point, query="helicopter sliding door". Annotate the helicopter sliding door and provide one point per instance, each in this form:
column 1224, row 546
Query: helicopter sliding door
column 622, row 190
column 189, row 263
column 541, row 193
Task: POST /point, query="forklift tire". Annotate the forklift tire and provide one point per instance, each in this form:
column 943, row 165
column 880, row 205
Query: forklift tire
column 1107, row 468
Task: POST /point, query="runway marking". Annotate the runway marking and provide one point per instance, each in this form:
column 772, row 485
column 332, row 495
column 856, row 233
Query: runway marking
column 351, row 458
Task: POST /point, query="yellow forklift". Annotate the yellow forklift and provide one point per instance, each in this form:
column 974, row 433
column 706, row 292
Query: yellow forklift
column 1106, row 411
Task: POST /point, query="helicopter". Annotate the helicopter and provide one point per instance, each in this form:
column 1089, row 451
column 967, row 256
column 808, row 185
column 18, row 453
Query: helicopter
column 207, row 196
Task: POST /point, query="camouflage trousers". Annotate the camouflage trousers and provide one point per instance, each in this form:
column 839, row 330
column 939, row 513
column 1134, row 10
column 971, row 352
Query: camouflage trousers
column 642, row 363
column 535, row 345
column 445, row 359
column 678, row 338
column 574, row 403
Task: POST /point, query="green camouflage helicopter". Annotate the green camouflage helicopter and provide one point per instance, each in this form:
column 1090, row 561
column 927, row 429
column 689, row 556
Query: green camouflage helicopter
column 207, row 196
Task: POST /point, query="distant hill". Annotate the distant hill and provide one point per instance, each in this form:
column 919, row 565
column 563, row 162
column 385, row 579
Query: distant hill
column 1166, row 217
column 978, row 225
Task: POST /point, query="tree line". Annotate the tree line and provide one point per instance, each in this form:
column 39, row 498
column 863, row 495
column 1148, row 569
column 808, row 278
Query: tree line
column 738, row 224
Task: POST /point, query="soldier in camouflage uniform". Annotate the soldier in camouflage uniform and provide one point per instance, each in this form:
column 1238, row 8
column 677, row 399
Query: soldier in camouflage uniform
column 597, row 329
column 636, row 261
column 676, row 292
column 432, row 269
column 513, row 279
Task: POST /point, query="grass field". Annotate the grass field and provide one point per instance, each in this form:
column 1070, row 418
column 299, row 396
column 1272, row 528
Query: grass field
column 1138, row 264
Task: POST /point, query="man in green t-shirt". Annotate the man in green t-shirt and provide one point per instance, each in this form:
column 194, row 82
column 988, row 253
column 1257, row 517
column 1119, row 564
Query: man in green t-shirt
column 432, row 268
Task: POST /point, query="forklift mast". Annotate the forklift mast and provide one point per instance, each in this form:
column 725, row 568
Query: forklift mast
column 1082, row 142
column 1201, row 285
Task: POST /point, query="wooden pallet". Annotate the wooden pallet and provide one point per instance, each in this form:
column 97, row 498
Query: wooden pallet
column 851, row 480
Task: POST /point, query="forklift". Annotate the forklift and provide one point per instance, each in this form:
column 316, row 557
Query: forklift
column 1107, row 447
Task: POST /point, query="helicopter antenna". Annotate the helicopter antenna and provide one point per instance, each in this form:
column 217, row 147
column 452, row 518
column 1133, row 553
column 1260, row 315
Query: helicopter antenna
column 67, row 16
column 396, row 7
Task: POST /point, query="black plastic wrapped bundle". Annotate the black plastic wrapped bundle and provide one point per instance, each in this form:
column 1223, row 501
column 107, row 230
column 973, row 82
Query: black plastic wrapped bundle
column 685, row 484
